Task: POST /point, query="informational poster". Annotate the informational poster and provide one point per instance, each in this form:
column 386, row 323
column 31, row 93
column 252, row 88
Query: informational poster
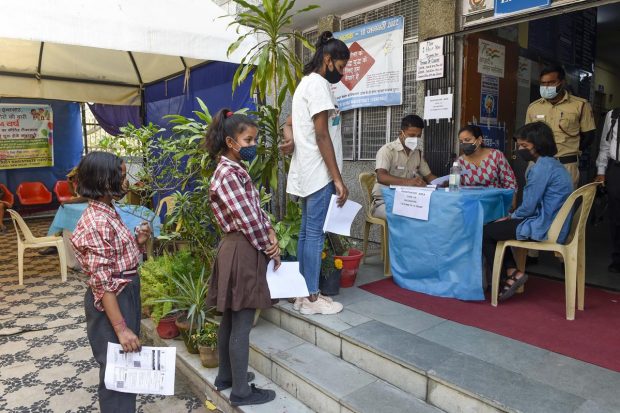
column 438, row 107
column 514, row 6
column 491, row 58
column 431, row 60
column 489, row 100
column 524, row 74
column 26, row 136
column 494, row 137
column 374, row 74
column 477, row 6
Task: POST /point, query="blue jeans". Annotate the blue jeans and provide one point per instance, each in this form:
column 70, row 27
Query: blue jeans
column 311, row 236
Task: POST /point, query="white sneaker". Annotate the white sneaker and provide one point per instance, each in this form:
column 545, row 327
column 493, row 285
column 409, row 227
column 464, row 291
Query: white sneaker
column 298, row 302
column 322, row 305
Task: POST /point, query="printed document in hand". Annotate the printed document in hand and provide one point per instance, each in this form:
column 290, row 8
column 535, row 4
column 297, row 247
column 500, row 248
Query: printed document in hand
column 151, row 371
column 412, row 202
column 339, row 220
column 287, row 281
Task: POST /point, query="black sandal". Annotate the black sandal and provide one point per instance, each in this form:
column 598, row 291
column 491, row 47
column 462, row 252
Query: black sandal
column 509, row 290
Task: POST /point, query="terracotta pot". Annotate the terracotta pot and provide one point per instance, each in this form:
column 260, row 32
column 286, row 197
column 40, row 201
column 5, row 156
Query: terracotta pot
column 350, row 265
column 167, row 327
column 330, row 284
column 208, row 357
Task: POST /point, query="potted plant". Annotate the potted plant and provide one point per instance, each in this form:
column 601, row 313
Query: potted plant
column 206, row 341
column 189, row 300
column 351, row 260
column 155, row 285
column 331, row 267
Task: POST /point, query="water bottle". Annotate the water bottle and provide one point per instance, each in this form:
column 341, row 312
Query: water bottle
column 455, row 177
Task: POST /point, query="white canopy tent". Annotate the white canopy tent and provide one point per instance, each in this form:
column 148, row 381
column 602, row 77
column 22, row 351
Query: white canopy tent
column 106, row 51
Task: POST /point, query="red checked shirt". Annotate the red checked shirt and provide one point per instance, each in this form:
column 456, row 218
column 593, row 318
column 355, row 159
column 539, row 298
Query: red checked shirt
column 104, row 246
column 236, row 204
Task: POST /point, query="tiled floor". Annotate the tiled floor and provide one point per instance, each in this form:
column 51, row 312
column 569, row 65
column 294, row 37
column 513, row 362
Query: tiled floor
column 46, row 363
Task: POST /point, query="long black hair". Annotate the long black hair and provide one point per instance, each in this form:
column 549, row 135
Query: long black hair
column 100, row 174
column 473, row 129
column 225, row 123
column 327, row 44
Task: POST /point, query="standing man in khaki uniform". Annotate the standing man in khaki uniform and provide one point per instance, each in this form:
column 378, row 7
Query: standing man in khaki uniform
column 570, row 117
column 401, row 163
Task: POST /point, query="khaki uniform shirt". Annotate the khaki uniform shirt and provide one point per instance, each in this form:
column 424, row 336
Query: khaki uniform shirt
column 568, row 118
column 393, row 158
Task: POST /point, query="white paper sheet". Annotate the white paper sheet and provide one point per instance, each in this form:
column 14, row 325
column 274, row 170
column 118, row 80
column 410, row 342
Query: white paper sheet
column 412, row 202
column 339, row 220
column 287, row 281
column 151, row 371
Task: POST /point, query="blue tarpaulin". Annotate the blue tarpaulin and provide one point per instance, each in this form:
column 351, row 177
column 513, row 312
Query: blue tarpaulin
column 443, row 256
column 212, row 83
column 68, row 146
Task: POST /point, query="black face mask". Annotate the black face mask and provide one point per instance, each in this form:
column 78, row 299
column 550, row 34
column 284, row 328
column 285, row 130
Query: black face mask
column 526, row 155
column 468, row 148
column 333, row 76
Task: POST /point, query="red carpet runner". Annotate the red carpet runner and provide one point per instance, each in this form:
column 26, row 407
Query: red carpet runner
column 536, row 317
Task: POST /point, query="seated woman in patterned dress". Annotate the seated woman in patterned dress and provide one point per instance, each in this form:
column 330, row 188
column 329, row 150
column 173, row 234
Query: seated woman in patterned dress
column 483, row 166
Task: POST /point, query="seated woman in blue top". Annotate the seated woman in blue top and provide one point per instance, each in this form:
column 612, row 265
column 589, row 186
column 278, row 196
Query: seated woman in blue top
column 548, row 186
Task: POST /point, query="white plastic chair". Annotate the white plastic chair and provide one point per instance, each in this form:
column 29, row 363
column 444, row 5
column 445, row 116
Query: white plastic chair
column 573, row 252
column 30, row 241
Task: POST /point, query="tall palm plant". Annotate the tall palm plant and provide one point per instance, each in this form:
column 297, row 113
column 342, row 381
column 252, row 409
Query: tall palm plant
column 275, row 70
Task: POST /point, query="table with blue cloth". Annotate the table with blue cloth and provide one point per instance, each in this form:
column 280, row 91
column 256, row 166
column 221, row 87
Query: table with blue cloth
column 443, row 256
column 68, row 216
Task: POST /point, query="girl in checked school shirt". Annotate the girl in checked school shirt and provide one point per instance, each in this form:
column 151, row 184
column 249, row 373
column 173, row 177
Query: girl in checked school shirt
column 109, row 254
column 238, row 285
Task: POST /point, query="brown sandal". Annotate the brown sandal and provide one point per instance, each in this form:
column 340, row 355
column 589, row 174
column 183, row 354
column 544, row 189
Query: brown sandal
column 508, row 290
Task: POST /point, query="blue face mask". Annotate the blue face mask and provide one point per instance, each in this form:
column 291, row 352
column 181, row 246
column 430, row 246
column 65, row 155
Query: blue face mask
column 549, row 92
column 248, row 153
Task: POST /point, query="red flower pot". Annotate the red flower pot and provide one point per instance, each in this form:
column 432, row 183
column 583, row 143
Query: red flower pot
column 350, row 265
column 167, row 327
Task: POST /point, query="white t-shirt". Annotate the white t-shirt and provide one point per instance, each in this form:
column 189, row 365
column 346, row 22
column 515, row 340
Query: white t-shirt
column 308, row 172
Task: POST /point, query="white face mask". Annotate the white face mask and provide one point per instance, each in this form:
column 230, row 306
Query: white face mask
column 412, row 143
column 549, row 92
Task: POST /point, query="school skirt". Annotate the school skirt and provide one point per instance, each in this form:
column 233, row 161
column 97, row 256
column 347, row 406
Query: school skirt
column 239, row 277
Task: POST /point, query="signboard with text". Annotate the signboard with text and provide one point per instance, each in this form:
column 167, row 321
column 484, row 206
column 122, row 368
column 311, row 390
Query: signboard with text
column 26, row 139
column 431, row 60
column 513, row 6
column 491, row 58
column 374, row 74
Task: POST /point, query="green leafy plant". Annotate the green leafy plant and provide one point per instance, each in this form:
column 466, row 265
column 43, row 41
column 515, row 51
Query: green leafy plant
column 207, row 337
column 156, row 285
column 190, row 291
column 287, row 230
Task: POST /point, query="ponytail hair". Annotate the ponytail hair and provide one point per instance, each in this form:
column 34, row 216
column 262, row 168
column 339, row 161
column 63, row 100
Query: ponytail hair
column 327, row 45
column 225, row 123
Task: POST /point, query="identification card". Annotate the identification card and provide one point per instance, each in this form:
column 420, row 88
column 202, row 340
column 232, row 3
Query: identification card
column 336, row 120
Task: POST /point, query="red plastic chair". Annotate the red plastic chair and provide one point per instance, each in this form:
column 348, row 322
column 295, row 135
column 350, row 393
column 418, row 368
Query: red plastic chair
column 8, row 196
column 33, row 193
column 61, row 189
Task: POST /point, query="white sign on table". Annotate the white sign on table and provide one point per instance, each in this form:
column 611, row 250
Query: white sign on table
column 438, row 107
column 412, row 202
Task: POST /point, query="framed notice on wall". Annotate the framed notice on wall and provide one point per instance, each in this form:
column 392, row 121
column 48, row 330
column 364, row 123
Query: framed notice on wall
column 26, row 136
column 374, row 74
column 477, row 6
column 491, row 58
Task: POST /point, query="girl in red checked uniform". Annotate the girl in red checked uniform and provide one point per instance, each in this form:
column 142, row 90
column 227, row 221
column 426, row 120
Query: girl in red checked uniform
column 238, row 284
column 109, row 254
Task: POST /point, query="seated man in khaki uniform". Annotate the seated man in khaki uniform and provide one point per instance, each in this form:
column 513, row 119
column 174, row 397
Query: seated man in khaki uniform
column 401, row 163
column 570, row 118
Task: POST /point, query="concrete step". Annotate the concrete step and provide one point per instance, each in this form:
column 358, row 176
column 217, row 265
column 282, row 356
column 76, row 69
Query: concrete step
column 202, row 381
column 321, row 380
column 439, row 376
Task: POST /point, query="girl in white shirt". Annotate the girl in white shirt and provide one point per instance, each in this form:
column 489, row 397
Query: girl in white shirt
column 314, row 174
